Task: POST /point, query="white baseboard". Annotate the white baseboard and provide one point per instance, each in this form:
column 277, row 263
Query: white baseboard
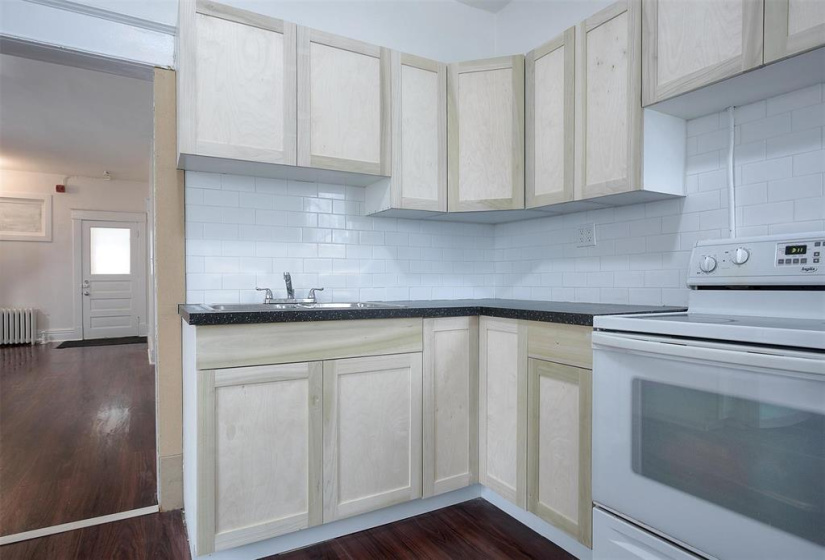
column 60, row 335
column 328, row 531
column 55, row 529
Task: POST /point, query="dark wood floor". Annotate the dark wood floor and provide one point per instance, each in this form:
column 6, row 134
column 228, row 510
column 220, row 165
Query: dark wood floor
column 160, row 536
column 77, row 434
column 472, row 530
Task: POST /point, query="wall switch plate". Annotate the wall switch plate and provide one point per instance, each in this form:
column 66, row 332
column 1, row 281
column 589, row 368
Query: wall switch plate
column 586, row 235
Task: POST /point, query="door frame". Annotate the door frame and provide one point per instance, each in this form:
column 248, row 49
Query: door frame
column 78, row 217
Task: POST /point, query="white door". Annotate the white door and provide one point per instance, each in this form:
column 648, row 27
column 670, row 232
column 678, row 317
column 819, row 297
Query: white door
column 112, row 279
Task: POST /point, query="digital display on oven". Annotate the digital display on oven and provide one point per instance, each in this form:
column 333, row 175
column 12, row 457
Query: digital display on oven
column 796, row 249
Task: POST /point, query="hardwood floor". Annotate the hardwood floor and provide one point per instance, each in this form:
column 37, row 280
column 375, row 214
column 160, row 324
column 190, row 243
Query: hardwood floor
column 472, row 530
column 77, row 433
column 160, row 536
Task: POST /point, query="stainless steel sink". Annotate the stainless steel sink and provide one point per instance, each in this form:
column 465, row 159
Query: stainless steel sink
column 258, row 307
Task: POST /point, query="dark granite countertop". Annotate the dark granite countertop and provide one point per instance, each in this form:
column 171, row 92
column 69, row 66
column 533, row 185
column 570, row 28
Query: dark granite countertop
column 570, row 313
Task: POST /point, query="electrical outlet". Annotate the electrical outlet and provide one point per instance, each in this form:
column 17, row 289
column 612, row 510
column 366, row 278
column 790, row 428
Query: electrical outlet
column 587, row 235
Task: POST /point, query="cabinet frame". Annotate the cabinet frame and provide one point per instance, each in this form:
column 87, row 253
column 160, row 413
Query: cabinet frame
column 633, row 179
column 778, row 42
column 208, row 383
column 188, row 141
column 305, row 37
column 516, row 201
column 431, row 485
column 568, row 41
column 751, row 56
column 333, row 369
column 582, row 528
column 517, row 495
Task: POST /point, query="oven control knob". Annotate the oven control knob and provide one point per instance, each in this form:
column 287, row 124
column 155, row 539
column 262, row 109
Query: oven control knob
column 740, row 256
column 707, row 264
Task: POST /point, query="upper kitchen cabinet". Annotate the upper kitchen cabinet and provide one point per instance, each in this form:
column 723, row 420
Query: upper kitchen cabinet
column 236, row 85
column 549, row 92
column 689, row 44
column 343, row 104
column 419, row 140
column 485, row 131
column 793, row 26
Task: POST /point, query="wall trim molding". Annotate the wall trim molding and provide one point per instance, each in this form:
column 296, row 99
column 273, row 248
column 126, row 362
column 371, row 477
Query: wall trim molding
column 59, row 335
column 55, row 529
column 109, row 15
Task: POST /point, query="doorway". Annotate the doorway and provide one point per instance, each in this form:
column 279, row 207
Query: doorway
column 112, row 264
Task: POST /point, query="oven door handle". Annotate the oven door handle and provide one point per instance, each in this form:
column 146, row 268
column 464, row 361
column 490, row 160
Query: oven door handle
column 738, row 356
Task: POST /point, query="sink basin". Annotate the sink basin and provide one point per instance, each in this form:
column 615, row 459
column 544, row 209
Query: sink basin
column 258, row 307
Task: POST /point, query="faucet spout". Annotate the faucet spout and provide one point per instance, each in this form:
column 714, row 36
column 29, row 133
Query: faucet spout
column 290, row 293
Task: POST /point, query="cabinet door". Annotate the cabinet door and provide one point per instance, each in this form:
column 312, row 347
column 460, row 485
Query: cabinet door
column 450, row 404
column 237, row 84
column 608, row 101
column 793, row 26
column 502, row 414
column 689, row 44
column 558, row 480
column 372, row 433
column 485, row 134
column 343, row 104
column 260, row 453
column 549, row 121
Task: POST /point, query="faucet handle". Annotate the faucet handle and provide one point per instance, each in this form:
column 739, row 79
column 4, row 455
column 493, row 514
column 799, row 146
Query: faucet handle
column 267, row 296
column 312, row 293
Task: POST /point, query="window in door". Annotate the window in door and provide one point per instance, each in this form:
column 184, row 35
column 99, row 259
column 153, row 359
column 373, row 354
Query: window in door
column 110, row 250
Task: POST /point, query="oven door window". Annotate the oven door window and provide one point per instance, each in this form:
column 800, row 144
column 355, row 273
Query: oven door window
column 757, row 459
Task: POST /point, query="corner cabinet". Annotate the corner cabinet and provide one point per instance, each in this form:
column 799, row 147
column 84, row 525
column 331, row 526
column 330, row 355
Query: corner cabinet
column 343, row 104
column 792, row 27
column 236, row 85
column 372, row 433
column 450, row 404
column 485, row 134
column 502, row 415
column 608, row 102
column 549, row 93
column 259, row 453
column 688, row 44
column 419, row 139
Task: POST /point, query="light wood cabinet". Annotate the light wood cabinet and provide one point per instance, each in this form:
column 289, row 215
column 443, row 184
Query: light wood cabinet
column 549, row 121
column 418, row 179
column 259, row 453
column 450, row 404
column 485, row 134
column 372, row 433
column 792, row 27
column 608, row 102
column 502, row 415
column 558, row 449
column 688, row 44
column 236, row 84
column 343, row 104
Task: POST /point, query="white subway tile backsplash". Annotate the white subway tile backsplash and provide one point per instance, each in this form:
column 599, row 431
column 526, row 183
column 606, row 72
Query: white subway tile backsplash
column 244, row 231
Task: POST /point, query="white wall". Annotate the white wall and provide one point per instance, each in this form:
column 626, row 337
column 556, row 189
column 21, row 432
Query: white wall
column 243, row 231
column 525, row 24
column 39, row 274
column 444, row 30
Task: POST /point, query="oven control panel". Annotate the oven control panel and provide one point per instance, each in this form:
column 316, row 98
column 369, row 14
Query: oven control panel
column 793, row 259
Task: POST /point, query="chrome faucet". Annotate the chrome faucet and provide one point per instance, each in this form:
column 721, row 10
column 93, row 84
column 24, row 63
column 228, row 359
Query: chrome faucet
column 312, row 295
column 290, row 293
column 267, row 295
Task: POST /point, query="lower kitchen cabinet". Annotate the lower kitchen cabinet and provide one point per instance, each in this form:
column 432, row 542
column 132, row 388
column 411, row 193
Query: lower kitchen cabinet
column 450, row 404
column 372, row 433
column 502, row 418
column 558, row 448
column 260, row 432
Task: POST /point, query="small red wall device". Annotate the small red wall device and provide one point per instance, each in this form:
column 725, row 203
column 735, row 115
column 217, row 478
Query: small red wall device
column 60, row 188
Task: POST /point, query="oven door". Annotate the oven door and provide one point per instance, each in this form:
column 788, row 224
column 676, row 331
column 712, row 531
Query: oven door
column 719, row 447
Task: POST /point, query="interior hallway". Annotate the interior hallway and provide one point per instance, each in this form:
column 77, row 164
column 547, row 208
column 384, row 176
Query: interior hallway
column 77, row 434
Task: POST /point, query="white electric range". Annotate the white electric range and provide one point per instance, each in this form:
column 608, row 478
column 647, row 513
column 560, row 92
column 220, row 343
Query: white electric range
column 709, row 425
